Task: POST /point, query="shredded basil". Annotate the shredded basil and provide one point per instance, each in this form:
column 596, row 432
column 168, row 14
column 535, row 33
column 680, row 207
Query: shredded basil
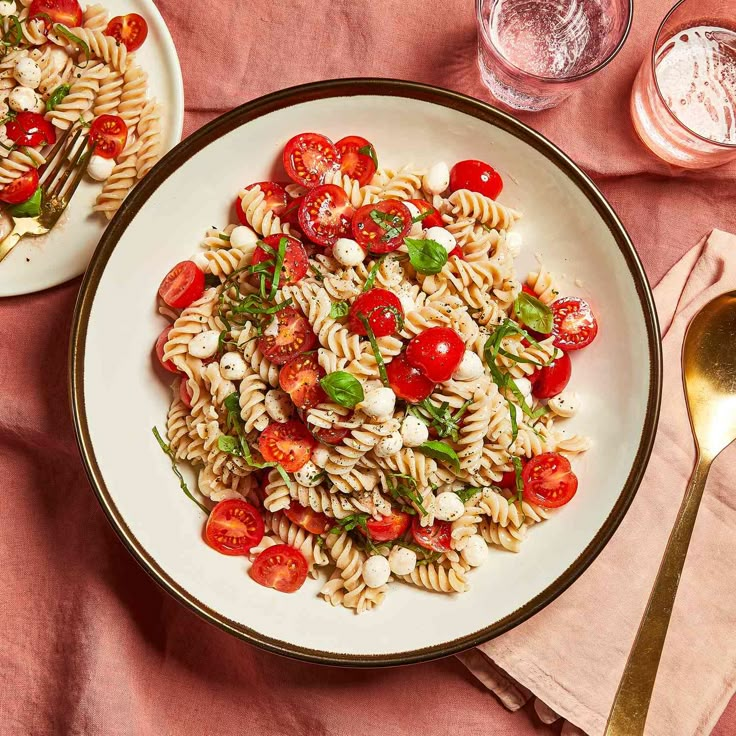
column 392, row 224
column 465, row 494
column 369, row 151
column 445, row 422
column 57, row 96
column 343, row 388
column 423, row 215
column 518, row 479
column 354, row 521
column 376, row 350
column 402, row 486
column 426, row 255
column 440, row 451
column 372, row 274
column 69, row 36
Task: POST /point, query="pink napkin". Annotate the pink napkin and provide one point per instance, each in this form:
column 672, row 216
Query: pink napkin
column 572, row 654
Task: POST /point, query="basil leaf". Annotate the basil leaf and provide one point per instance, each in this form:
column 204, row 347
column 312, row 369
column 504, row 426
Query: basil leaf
column 465, row 494
column 427, row 256
column 339, row 309
column 440, row 451
column 226, row 443
column 533, row 313
column 372, row 274
column 30, row 208
column 369, row 151
column 232, row 403
column 343, row 388
column 57, row 96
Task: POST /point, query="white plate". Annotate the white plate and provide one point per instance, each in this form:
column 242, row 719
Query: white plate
column 63, row 254
column 118, row 395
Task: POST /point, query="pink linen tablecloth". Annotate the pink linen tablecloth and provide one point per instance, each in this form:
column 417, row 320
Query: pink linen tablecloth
column 88, row 643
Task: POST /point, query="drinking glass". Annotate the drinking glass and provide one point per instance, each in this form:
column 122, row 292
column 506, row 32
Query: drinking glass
column 683, row 103
column 531, row 53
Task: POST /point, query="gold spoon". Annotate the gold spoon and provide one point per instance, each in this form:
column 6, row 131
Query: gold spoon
column 709, row 375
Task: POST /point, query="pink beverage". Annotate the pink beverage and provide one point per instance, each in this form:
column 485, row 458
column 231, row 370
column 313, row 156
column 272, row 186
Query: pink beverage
column 683, row 103
column 531, row 52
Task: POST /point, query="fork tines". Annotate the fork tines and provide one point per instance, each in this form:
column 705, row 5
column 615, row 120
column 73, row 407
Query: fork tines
column 70, row 151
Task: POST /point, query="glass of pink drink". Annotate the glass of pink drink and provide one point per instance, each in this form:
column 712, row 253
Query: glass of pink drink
column 532, row 53
column 683, row 104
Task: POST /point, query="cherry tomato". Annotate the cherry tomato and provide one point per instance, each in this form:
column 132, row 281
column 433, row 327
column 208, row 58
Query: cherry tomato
column 275, row 196
column 294, row 336
column 434, row 219
column 109, row 133
column 330, row 435
column 388, row 528
column 233, row 527
column 290, row 444
column 20, row 189
column 575, row 324
column 239, row 213
column 325, row 214
column 66, row 12
column 436, row 352
column 182, row 285
column 382, row 227
column 296, row 263
column 308, row 157
column 381, row 308
column 30, row 129
column 478, row 176
column 300, row 379
column 185, row 393
column 353, row 163
column 552, row 379
column 290, row 213
column 130, row 29
column 457, row 252
column 307, row 518
column 436, row 537
column 280, row 567
column 162, row 339
column 407, row 382
column 528, row 290
column 508, row 479
column 549, row 480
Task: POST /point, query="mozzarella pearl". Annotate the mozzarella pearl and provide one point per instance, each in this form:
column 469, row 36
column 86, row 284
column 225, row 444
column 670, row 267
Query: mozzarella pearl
column 347, row 252
column 514, row 241
column 232, row 366
column 475, row 551
column 27, row 72
column 205, row 344
column 437, row 179
column 23, row 99
column 565, row 404
column 320, row 455
column 390, row 445
column 416, row 227
column 278, row 405
column 100, row 168
column 376, row 571
column 7, row 7
column 525, row 386
column 402, row 561
column 308, row 475
column 448, row 506
column 469, row 368
column 379, row 403
column 414, row 432
column 242, row 236
column 444, row 237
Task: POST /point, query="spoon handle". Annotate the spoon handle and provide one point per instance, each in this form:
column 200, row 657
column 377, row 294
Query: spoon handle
column 631, row 704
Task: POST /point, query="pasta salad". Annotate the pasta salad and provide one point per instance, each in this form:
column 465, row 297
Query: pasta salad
column 362, row 383
column 64, row 66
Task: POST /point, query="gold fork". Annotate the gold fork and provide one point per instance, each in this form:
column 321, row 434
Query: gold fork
column 67, row 157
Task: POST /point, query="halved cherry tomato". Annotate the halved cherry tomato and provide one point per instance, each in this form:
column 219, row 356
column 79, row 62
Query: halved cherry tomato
column 308, row 157
column 290, row 444
column 408, row 382
column 478, row 176
column 294, row 336
column 130, row 29
column 381, row 308
column 296, row 263
column 325, row 214
column 185, row 393
column 233, row 527
column 436, row 537
column 66, row 12
column 330, row 435
column 307, row 518
column 549, row 480
column 551, row 379
column 275, row 196
column 239, row 213
column 388, row 528
column 182, row 285
column 300, row 379
column 457, row 252
column 353, row 163
column 20, row 189
column 382, row 227
column 30, row 129
column 575, row 324
column 161, row 340
column 436, row 352
column 109, row 133
column 433, row 219
column 280, row 567
column 290, row 213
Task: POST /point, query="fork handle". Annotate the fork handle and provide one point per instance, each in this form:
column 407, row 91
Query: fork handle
column 21, row 227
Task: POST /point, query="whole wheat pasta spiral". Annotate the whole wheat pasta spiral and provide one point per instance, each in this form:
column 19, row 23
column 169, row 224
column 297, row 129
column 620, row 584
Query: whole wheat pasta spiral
column 82, row 93
column 103, row 47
